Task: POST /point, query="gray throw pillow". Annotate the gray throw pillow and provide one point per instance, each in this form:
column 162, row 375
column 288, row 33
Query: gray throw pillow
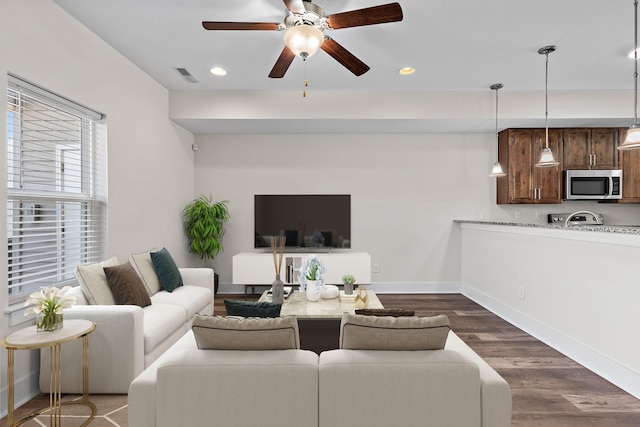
column 240, row 333
column 359, row 332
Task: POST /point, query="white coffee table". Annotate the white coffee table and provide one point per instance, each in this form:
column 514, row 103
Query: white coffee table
column 319, row 321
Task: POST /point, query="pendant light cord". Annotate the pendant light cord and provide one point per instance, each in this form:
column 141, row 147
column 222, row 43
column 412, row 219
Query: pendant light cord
column 635, row 74
column 497, row 89
column 546, row 99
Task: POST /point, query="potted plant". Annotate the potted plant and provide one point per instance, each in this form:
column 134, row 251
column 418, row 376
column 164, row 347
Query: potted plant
column 348, row 280
column 204, row 224
column 311, row 280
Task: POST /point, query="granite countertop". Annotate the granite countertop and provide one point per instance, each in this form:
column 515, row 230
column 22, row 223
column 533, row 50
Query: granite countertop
column 621, row 229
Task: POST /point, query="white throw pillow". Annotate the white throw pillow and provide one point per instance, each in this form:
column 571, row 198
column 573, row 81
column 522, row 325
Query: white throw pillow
column 141, row 262
column 93, row 282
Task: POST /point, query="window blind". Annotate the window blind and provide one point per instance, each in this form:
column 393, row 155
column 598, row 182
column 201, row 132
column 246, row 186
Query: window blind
column 55, row 211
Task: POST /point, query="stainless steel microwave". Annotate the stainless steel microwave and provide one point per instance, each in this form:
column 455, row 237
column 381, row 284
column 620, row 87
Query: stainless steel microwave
column 592, row 184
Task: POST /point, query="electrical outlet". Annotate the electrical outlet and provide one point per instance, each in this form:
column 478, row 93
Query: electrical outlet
column 518, row 214
column 376, row 268
column 483, row 215
column 521, row 292
column 538, row 214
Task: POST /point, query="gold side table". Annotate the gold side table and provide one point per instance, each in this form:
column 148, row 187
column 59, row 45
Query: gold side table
column 29, row 339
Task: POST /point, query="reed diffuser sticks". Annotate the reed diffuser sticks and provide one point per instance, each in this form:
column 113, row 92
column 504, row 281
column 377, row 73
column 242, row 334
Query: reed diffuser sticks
column 277, row 249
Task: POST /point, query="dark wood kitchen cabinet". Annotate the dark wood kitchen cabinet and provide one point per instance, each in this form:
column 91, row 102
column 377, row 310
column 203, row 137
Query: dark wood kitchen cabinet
column 518, row 151
column 590, row 148
column 630, row 165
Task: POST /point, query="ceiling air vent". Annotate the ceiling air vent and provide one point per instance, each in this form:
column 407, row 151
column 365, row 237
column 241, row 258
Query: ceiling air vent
column 186, row 75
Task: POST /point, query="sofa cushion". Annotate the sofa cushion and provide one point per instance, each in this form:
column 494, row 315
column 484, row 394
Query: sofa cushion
column 252, row 308
column 126, row 286
column 93, row 281
column 166, row 269
column 141, row 262
column 192, row 298
column 160, row 321
column 359, row 332
column 240, row 333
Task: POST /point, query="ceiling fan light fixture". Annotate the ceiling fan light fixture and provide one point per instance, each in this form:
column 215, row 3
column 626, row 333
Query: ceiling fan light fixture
column 303, row 40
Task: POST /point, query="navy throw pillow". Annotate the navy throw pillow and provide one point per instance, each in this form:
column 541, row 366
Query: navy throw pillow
column 166, row 269
column 252, row 309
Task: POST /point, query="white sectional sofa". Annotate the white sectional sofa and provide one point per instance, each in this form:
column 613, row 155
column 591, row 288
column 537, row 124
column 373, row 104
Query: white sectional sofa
column 276, row 388
column 129, row 338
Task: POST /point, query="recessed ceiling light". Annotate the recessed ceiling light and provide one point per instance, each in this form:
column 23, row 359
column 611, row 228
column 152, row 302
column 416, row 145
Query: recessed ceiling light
column 405, row 71
column 218, row 71
column 632, row 55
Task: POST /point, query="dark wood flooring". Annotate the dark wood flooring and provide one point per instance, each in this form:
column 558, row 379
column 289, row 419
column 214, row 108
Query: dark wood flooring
column 548, row 388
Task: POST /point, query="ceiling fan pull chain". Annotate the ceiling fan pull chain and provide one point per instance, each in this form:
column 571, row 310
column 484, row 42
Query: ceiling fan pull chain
column 306, row 80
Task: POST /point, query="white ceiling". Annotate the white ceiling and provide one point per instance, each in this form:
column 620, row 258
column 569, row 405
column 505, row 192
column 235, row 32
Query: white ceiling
column 459, row 45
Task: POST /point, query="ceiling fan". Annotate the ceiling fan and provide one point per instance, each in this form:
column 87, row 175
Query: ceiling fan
column 305, row 23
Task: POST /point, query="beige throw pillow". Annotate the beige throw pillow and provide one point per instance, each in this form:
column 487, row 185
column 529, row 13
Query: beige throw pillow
column 393, row 333
column 242, row 333
column 93, row 282
column 141, row 263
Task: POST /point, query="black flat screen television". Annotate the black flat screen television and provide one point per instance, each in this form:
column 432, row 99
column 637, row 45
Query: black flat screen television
column 308, row 221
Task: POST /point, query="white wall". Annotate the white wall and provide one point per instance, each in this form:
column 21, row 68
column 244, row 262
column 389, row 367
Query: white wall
column 150, row 161
column 575, row 290
column 405, row 189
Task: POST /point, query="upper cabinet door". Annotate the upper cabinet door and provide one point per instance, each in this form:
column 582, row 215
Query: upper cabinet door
column 630, row 165
column 604, row 148
column 576, row 153
column 548, row 181
column 586, row 148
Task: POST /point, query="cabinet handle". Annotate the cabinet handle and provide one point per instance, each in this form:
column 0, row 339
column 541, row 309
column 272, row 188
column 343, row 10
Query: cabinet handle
column 594, row 160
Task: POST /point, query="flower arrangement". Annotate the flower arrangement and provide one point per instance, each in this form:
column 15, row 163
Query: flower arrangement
column 48, row 304
column 311, row 269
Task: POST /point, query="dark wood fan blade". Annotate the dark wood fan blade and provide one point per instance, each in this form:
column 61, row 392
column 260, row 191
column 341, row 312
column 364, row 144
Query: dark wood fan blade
column 391, row 12
column 282, row 64
column 344, row 57
column 295, row 6
column 241, row 26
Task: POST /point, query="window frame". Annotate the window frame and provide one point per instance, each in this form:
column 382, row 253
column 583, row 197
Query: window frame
column 77, row 224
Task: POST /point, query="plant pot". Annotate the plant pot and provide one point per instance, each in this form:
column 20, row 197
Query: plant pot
column 313, row 293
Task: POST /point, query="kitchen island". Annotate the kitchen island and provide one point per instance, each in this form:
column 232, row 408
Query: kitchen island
column 576, row 288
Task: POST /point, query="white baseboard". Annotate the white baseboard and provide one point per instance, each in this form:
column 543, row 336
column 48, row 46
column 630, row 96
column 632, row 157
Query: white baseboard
column 25, row 389
column 609, row 369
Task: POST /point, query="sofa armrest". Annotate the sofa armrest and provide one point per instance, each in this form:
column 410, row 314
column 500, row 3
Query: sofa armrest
column 116, row 350
column 495, row 391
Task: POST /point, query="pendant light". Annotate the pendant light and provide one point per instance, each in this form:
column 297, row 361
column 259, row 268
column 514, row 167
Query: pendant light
column 496, row 171
column 546, row 158
column 633, row 134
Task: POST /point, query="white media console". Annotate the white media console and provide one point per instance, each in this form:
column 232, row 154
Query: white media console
column 257, row 268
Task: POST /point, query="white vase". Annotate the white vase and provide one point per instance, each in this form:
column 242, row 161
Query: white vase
column 313, row 293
